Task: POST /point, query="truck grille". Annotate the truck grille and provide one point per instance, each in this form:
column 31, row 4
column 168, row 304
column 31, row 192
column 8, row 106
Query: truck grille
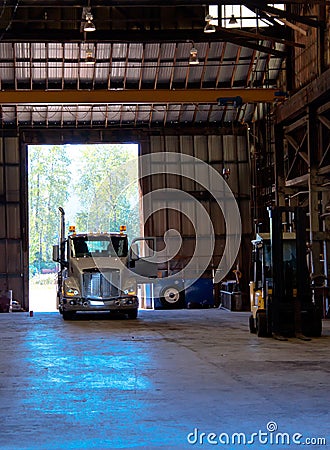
column 101, row 285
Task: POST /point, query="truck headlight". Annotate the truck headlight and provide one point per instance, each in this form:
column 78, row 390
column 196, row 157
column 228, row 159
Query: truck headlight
column 130, row 291
column 70, row 292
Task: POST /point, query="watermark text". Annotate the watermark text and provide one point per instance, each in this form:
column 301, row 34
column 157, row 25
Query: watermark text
column 269, row 436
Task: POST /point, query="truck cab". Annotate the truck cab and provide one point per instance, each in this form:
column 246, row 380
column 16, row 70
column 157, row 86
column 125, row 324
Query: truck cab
column 94, row 274
column 92, row 278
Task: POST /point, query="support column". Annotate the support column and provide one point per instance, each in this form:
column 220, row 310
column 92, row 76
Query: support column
column 279, row 166
column 326, row 249
column 313, row 185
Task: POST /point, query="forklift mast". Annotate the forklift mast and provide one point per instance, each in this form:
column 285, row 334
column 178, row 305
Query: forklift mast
column 287, row 306
column 291, row 292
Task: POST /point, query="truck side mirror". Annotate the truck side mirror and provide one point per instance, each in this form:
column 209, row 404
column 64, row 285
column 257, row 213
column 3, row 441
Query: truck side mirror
column 134, row 252
column 56, row 253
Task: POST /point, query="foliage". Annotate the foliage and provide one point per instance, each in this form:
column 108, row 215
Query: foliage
column 103, row 185
column 49, row 177
column 44, row 279
column 107, row 183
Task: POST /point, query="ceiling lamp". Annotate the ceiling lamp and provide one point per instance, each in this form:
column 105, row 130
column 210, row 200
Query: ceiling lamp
column 232, row 20
column 89, row 25
column 193, row 58
column 90, row 60
column 209, row 28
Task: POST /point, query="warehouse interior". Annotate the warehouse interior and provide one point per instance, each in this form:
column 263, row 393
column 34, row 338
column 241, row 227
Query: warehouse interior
column 243, row 87
column 254, row 110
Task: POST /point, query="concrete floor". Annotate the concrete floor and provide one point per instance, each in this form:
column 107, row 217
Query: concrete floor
column 96, row 383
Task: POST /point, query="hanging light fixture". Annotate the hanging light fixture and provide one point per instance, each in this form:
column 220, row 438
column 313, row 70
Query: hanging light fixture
column 193, row 57
column 209, row 28
column 90, row 60
column 232, row 19
column 89, row 25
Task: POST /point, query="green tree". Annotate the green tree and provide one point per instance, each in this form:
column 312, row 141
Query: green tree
column 49, row 179
column 103, row 187
column 108, row 189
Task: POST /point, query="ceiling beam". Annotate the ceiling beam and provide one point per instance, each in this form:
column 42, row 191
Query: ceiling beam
column 237, row 33
column 282, row 13
column 156, row 36
column 136, row 96
column 147, row 3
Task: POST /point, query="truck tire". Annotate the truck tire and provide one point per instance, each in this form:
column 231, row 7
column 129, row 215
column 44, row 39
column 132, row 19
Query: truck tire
column 171, row 297
column 68, row 315
column 132, row 314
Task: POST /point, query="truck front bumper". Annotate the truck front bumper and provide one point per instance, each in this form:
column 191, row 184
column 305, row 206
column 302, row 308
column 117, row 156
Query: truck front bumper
column 123, row 303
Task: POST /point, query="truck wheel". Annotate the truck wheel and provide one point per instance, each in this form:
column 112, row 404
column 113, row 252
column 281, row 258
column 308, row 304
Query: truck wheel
column 261, row 324
column 132, row 314
column 68, row 315
column 252, row 325
column 171, row 297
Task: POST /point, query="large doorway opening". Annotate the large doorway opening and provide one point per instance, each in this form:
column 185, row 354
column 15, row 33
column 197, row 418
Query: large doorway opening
column 96, row 184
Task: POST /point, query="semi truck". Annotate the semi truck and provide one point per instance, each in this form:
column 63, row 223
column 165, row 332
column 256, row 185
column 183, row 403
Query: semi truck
column 96, row 271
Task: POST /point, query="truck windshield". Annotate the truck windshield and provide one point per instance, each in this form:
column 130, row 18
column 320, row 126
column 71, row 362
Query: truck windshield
column 95, row 246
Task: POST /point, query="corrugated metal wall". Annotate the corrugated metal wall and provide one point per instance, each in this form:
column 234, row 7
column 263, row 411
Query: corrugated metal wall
column 327, row 38
column 13, row 251
column 308, row 62
column 219, row 151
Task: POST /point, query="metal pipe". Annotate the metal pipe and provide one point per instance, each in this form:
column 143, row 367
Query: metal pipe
column 298, row 193
column 295, row 195
column 62, row 236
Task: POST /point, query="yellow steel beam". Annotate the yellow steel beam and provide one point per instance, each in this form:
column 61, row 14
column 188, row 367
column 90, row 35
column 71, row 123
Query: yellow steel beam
column 136, row 96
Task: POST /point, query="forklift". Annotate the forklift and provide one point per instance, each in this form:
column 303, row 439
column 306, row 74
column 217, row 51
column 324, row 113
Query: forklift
column 281, row 294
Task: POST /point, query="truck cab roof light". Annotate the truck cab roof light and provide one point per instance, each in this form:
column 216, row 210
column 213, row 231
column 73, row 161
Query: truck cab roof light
column 72, row 229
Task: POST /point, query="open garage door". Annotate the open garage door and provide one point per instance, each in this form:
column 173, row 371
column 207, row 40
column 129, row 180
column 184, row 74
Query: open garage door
column 97, row 186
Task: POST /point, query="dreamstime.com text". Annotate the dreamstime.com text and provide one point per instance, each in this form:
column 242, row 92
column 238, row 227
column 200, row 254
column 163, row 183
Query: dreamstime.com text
column 270, row 436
